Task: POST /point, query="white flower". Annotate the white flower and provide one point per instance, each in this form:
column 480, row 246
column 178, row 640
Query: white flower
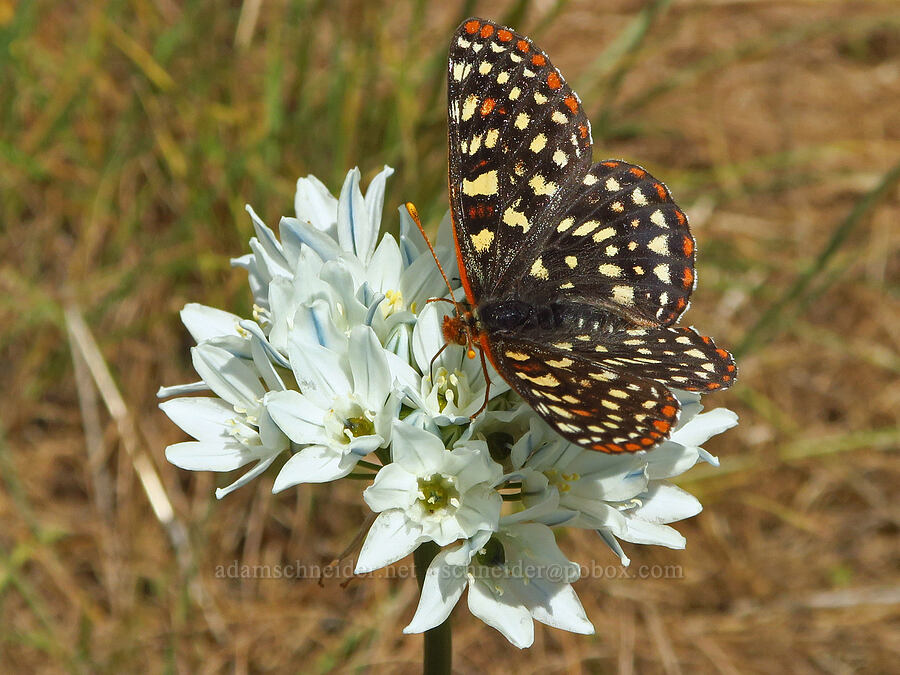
column 234, row 429
column 621, row 496
column 342, row 412
column 514, row 576
column 428, row 493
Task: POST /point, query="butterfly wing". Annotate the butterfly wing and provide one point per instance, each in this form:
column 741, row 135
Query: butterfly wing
column 621, row 244
column 584, row 401
column 518, row 141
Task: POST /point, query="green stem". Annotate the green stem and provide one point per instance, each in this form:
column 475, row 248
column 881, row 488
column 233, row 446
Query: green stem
column 438, row 641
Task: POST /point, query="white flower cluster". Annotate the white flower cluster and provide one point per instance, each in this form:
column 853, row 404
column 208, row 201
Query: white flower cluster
column 336, row 366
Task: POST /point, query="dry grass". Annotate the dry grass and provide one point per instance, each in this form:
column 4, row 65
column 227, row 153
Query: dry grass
column 131, row 134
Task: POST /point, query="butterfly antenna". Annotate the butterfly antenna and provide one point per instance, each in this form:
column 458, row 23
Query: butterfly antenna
column 414, row 214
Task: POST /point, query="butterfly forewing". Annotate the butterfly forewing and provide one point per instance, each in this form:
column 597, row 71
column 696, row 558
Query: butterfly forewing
column 585, row 402
column 518, row 139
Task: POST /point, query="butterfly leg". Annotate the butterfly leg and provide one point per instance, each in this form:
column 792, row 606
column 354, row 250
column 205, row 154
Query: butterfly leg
column 487, row 386
column 433, row 359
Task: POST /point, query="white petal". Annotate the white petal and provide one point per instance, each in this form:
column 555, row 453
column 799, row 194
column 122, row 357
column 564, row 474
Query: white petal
column 355, row 233
column 205, row 419
column 428, row 337
column 393, row 488
column 324, row 246
column 298, row 416
column 319, row 371
column 670, row 459
column 555, row 604
column 205, row 322
column 704, row 426
column 383, row 271
column 390, row 538
column 642, row 532
column 514, row 622
column 417, row 451
column 368, row 363
column 375, row 198
column 443, row 586
column 666, row 503
column 313, row 325
column 315, row 464
column 314, row 203
column 210, row 455
column 257, row 469
column 229, row 377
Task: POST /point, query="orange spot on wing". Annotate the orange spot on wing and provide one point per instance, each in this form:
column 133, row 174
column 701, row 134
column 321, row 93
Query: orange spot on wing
column 472, row 26
column 662, row 425
column 706, row 339
column 632, row 447
column 647, row 441
column 504, row 35
column 656, row 435
column 583, row 413
column 680, row 304
column 722, row 353
column 640, row 173
column 487, row 30
column 572, row 103
column 553, row 81
column 582, row 129
column 688, row 277
column 668, row 411
column 688, row 245
column 730, row 368
column 487, row 105
column 726, row 378
column 660, row 190
column 610, row 164
column 538, row 60
column 713, row 385
column 612, row 447
column 681, row 218
column 522, row 46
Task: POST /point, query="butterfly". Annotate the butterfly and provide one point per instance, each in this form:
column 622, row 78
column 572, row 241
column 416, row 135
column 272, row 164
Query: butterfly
column 575, row 273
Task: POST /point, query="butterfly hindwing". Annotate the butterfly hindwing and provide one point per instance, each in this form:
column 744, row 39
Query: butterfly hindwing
column 518, row 140
column 621, row 243
column 585, row 402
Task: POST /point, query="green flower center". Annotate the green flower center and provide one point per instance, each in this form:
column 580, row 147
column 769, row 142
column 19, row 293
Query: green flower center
column 438, row 493
column 354, row 427
column 492, row 555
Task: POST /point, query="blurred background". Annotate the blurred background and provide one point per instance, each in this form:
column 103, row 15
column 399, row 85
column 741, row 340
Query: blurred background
column 132, row 133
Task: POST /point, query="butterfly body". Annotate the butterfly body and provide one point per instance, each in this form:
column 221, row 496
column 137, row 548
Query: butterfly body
column 575, row 273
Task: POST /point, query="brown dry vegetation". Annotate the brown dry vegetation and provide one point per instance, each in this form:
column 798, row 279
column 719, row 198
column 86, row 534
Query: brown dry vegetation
column 131, row 135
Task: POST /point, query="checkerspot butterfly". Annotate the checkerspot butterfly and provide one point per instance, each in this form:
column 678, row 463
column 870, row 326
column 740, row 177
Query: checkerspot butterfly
column 575, row 273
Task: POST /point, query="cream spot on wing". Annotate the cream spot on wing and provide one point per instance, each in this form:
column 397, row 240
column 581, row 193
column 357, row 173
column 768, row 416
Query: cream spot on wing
column 638, row 270
column 617, row 207
column 586, row 228
column 514, row 93
column 485, row 67
column 568, row 398
column 565, row 224
column 659, row 245
column 565, row 346
column 458, row 71
column 539, row 143
column 522, row 120
column 657, row 218
column 649, row 405
column 559, row 117
column 541, row 186
column 497, row 48
column 482, row 240
column 632, row 245
column 517, row 356
column 560, row 158
column 538, row 271
column 610, row 271
column 528, row 73
column 600, row 348
column 503, row 77
column 605, row 233
column 469, row 106
column 618, row 393
column 485, row 184
column 572, row 261
column 562, row 363
column 683, row 340
column 539, row 98
column 490, row 140
column 611, row 251
column 584, row 338
column 612, row 185
column 542, row 380
column 624, row 295
column 610, row 405
column 515, row 218
column 662, row 273
column 696, row 353
column 477, row 47
column 462, row 42
column 562, row 412
column 590, row 179
column 566, row 286
column 708, row 366
column 475, row 144
column 603, row 376
column 638, row 197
